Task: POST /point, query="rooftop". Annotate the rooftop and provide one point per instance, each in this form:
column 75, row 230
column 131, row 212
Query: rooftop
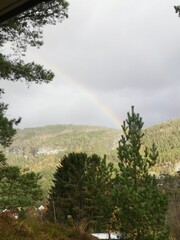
column 11, row 8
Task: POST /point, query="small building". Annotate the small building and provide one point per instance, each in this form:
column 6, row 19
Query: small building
column 10, row 213
column 103, row 236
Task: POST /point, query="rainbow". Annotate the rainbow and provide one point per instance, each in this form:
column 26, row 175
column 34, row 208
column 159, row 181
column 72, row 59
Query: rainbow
column 89, row 94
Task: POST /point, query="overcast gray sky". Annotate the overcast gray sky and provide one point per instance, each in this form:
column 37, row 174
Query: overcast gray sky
column 107, row 56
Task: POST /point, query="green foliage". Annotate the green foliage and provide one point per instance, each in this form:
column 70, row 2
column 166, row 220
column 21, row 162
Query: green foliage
column 141, row 205
column 171, row 185
column 81, row 184
column 177, row 10
column 26, row 30
column 7, row 130
column 18, row 189
column 166, row 137
column 14, row 70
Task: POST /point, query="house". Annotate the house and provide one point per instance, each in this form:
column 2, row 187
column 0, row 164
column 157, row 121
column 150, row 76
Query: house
column 10, row 213
column 103, row 236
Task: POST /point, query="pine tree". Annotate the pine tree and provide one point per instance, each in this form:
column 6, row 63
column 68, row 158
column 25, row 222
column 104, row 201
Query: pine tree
column 80, row 190
column 141, row 205
column 16, row 35
column 18, row 188
column 23, row 30
column 7, row 130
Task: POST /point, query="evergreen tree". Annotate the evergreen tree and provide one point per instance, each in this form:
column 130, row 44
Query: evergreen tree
column 7, row 130
column 81, row 184
column 170, row 184
column 16, row 35
column 25, row 30
column 18, row 189
column 141, row 205
column 177, row 10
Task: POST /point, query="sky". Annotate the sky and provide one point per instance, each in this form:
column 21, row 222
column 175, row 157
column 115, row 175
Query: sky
column 107, row 56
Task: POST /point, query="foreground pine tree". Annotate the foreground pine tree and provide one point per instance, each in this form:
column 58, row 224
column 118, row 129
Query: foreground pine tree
column 141, row 205
column 81, row 192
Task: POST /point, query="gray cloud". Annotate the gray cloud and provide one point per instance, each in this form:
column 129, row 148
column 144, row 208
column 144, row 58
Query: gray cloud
column 108, row 55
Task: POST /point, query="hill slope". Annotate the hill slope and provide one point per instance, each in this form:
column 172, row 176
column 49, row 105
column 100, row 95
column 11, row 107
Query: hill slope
column 41, row 149
column 64, row 138
column 166, row 136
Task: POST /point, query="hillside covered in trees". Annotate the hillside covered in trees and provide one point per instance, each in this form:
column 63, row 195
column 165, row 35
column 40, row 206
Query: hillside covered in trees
column 41, row 149
column 166, row 136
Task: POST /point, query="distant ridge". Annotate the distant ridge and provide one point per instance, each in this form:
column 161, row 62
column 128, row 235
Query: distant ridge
column 41, row 148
